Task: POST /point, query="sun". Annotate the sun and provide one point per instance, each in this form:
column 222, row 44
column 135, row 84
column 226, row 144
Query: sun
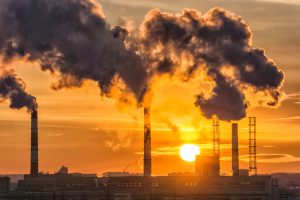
column 188, row 152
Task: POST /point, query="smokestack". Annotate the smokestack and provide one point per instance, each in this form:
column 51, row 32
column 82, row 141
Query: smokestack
column 34, row 165
column 235, row 150
column 147, row 142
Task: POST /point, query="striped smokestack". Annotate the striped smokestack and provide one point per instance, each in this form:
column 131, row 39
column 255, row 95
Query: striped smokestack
column 147, row 142
column 235, row 150
column 34, row 164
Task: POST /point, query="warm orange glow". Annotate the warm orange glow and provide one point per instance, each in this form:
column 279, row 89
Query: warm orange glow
column 106, row 134
column 188, row 152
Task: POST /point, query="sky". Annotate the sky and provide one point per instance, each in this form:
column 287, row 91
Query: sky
column 90, row 133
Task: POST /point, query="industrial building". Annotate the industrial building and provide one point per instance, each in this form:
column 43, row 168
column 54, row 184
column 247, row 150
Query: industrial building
column 137, row 187
column 4, row 184
column 205, row 184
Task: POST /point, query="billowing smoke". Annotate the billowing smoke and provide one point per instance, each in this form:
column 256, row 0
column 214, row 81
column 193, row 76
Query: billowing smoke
column 72, row 38
column 13, row 88
column 217, row 42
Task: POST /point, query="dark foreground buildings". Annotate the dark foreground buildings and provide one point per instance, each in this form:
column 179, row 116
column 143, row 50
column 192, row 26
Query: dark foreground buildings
column 207, row 184
column 79, row 187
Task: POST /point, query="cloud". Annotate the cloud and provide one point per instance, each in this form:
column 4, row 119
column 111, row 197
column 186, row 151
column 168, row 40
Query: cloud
column 55, row 134
column 163, row 151
column 286, row 119
column 295, row 97
column 268, row 158
column 218, row 43
column 137, row 3
column 292, row 2
column 13, row 88
column 268, row 146
column 118, row 140
column 72, row 40
column 174, row 150
column 274, row 158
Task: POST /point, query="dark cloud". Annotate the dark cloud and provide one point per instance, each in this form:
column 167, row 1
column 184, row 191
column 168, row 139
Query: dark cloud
column 13, row 88
column 71, row 37
column 227, row 101
column 215, row 40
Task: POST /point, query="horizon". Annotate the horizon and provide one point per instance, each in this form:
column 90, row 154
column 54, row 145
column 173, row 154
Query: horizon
column 90, row 133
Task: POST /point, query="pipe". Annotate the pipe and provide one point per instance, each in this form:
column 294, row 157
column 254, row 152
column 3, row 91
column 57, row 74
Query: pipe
column 235, row 150
column 147, row 142
column 34, row 165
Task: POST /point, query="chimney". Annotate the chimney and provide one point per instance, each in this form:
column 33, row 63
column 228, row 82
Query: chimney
column 147, row 142
column 235, row 150
column 34, row 165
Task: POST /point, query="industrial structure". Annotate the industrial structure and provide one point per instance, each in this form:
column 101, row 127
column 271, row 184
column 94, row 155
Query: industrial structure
column 204, row 185
column 209, row 165
column 216, row 136
column 76, row 187
column 252, row 146
column 216, row 141
column 34, row 162
column 235, row 150
column 4, row 184
column 147, row 142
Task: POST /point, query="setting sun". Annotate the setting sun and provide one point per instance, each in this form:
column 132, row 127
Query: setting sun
column 188, row 152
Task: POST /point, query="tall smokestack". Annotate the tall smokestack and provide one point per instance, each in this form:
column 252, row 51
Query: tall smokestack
column 34, row 165
column 235, row 150
column 147, row 142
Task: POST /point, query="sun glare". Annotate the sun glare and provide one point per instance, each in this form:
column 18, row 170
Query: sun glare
column 188, row 152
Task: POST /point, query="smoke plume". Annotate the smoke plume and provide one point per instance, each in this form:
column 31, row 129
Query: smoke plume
column 72, row 38
column 211, row 42
column 13, row 88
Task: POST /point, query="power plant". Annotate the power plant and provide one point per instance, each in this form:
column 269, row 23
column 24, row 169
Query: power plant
column 207, row 183
column 212, row 52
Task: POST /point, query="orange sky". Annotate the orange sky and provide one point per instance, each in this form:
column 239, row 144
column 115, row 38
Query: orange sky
column 89, row 133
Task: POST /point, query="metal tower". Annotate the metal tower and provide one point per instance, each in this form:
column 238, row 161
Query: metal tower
column 216, row 136
column 216, row 141
column 252, row 146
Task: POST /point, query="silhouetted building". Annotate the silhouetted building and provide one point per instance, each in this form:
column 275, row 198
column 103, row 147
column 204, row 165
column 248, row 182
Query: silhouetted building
column 207, row 165
column 4, row 184
column 63, row 170
column 243, row 172
column 49, row 187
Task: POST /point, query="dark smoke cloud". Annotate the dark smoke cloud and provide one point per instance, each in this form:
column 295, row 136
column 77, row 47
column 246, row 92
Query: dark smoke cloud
column 13, row 88
column 71, row 37
column 221, row 103
column 215, row 40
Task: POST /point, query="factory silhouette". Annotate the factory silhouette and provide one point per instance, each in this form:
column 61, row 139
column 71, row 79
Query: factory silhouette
column 205, row 183
column 73, row 39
